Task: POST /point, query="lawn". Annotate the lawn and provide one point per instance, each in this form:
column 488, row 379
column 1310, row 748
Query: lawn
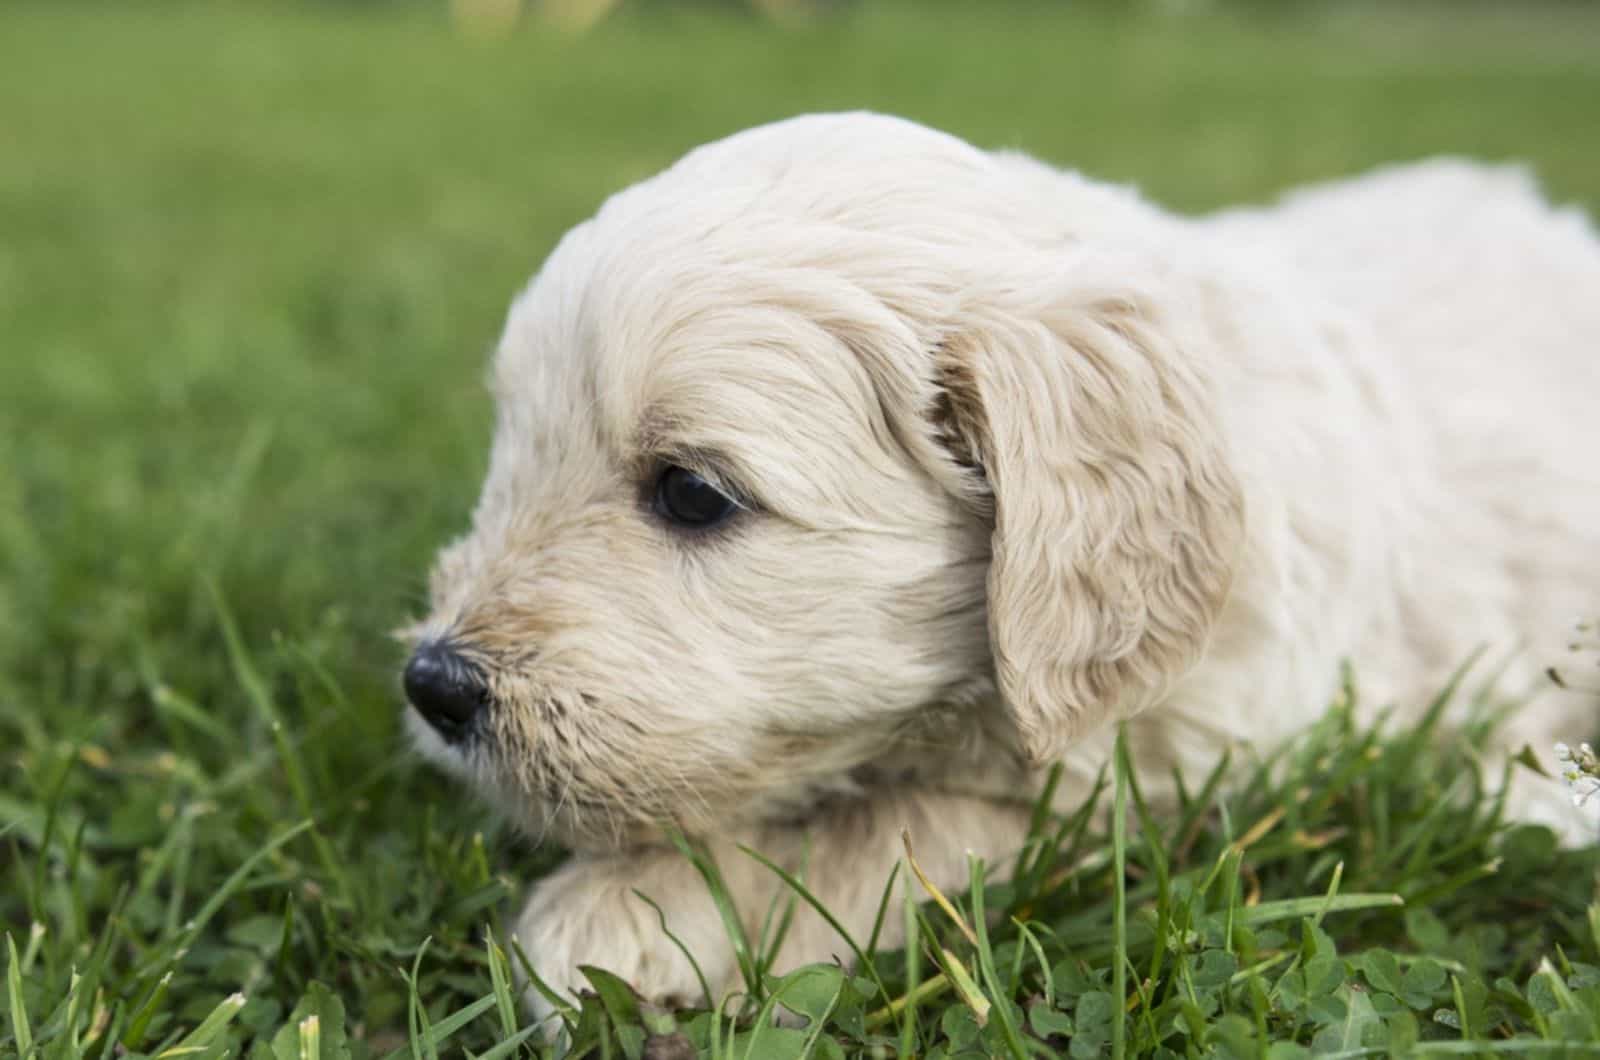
column 252, row 257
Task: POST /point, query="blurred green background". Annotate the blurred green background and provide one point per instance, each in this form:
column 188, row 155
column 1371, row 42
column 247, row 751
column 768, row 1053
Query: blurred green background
column 252, row 258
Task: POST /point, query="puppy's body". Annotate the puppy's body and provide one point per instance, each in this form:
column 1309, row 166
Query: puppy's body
column 1017, row 455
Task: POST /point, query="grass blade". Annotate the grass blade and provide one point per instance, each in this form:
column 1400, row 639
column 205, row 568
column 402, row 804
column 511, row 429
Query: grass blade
column 1119, row 913
column 986, row 968
column 706, row 866
column 21, row 1032
column 500, row 978
column 199, row 1039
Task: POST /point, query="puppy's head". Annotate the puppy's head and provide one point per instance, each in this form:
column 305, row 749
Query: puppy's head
column 818, row 444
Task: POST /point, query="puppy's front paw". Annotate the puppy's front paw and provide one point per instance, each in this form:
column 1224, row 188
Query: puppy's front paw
column 587, row 913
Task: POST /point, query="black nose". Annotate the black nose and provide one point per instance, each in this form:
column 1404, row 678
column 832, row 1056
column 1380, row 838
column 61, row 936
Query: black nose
column 446, row 689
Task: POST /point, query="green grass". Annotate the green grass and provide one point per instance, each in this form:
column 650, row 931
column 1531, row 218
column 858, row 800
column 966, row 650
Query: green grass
column 251, row 258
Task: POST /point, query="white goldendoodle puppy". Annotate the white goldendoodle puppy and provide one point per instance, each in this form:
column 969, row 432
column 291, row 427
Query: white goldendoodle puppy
column 847, row 476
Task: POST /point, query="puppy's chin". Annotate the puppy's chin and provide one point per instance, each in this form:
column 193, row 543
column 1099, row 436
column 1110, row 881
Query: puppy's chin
column 430, row 745
column 570, row 821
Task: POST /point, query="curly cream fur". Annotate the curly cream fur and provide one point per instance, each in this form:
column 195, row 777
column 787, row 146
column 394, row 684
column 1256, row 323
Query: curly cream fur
column 1019, row 454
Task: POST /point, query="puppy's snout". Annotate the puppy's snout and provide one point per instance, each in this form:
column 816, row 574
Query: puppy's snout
column 446, row 689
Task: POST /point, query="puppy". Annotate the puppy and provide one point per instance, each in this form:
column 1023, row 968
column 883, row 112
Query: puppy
column 845, row 477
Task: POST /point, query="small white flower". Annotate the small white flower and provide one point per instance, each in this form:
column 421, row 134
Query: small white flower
column 1581, row 772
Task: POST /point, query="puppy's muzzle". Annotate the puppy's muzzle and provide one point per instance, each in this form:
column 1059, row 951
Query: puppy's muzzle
column 448, row 690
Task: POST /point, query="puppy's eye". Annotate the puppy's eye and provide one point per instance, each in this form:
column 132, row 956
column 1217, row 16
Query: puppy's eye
column 685, row 498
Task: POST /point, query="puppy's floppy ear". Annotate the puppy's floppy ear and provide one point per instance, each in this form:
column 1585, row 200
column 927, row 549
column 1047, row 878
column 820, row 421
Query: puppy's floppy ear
column 1117, row 519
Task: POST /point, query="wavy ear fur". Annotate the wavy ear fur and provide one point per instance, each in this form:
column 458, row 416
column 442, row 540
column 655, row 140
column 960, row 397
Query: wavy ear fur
column 1117, row 519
